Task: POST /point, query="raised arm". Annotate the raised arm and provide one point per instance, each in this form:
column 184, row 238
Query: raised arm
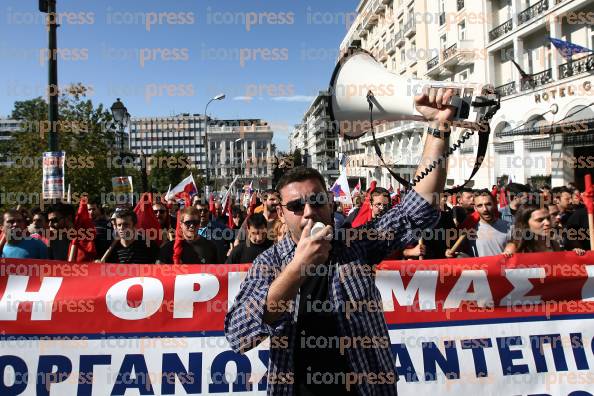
column 432, row 105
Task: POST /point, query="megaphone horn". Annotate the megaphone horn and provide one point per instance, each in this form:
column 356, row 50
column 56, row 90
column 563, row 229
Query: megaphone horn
column 362, row 90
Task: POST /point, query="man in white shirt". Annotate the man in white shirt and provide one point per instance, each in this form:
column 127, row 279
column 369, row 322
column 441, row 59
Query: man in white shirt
column 490, row 234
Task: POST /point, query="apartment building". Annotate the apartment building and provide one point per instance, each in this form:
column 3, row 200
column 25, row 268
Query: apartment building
column 241, row 147
column 317, row 139
column 7, row 128
column 545, row 127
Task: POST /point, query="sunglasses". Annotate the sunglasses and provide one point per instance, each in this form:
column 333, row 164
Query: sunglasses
column 191, row 223
column 203, row 210
column 54, row 220
column 316, row 201
column 160, row 211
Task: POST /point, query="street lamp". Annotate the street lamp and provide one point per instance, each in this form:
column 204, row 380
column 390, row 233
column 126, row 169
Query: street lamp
column 49, row 7
column 218, row 97
column 122, row 118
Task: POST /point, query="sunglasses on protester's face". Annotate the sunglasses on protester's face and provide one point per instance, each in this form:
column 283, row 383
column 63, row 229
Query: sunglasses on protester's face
column 159, row 211
column 191, row 223
column 316, row 201
column 54, row 220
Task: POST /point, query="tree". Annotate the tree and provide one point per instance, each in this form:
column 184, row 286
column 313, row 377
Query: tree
column 86, row 134
column 171, row 168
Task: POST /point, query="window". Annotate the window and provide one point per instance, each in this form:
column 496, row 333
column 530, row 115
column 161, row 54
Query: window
column 443, row 41
column 402, row 56
column 464, row 75
column 462, row 30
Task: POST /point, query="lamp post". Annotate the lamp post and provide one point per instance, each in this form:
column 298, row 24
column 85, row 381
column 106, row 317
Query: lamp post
column 49, row 7
column 122, row 118
column 218, row 97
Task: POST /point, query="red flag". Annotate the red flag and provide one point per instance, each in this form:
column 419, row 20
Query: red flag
column 147, row 220
column 454, row 199
column 178, row 246
column 230, row 223
column 211, row 205
column 502, row 198
column 588, row 195
column 364, row 214
column 84, row 244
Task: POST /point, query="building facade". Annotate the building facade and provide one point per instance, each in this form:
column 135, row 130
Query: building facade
column 7, row 128
column 240, row 147
column 317, row 139
column 475, row 41
column 418, row 39
column 545, row 128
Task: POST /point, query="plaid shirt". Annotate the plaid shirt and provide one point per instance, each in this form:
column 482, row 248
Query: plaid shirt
column 244, row 325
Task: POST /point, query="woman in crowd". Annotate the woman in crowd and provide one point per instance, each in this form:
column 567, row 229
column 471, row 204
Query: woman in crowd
column 533, row 232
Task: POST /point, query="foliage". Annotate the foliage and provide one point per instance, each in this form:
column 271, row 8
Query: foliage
column 86, row 134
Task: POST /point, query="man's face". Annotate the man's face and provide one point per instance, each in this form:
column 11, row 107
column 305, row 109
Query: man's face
column 467, row 200
column 56, row 221
column 204, row 214
column 271, row 203
column 161, row 213
column 189, row 225
column 125, row 228
column 575, row 198
column 303, row 201
column 13, row 225
column 218, row 208
column 379, row 204
column 484, row 206
column 522, row 198
column 93, row 211
column 173, row 206
column 257, row 235
column 565, row 202
column 39, row 222
column 555, row 215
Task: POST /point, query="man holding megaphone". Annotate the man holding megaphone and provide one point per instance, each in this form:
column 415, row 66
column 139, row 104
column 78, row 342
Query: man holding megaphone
column 315, row 295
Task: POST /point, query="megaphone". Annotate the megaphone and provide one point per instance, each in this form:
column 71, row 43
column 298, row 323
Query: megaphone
column 363, row 94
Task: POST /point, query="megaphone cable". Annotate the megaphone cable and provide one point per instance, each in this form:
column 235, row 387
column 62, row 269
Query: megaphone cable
column 409, row 184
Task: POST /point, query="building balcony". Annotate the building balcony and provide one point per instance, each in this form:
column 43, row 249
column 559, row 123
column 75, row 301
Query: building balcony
column 507, row 89
column 432, row 63
column 573, row 68
column 410, row 28
column 390, row 47
column 536, row 80
column 533, row 11
column 501, row 30
column 399, row 38
column 460, row 53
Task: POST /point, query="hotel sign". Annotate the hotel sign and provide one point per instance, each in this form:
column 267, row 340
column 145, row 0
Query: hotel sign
column 562, row 91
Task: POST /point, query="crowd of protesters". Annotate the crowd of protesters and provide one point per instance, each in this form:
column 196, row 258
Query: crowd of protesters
column 473, row 223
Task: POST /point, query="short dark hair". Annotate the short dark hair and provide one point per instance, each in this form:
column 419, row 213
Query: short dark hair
column 257, row 220
column 123, row 213
column 560, row 190
column 517, row 188
column 299, row 174
column 380, row 191
column 484, row 193
column 65, row 210
column 268, row 192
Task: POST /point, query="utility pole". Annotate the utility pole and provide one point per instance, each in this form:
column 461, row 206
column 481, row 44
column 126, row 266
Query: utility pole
column 49, row 7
